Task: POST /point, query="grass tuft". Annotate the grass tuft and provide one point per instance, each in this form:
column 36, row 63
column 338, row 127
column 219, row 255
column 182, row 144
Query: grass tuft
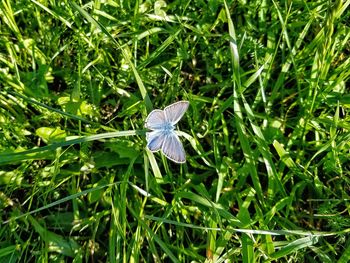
column 266, row 134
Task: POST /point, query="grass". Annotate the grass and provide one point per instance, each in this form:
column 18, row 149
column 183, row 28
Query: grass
column 267, row 134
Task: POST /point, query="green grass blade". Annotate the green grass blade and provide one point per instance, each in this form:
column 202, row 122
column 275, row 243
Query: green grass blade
column 41, row 151
column 139, row 81
column 294, row 246
column 242, row 134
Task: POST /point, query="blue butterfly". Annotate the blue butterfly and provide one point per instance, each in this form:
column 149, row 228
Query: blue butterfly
column 162, row 135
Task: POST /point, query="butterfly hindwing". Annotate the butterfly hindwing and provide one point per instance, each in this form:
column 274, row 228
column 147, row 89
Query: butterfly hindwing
column 172, row 148
column 155, row 140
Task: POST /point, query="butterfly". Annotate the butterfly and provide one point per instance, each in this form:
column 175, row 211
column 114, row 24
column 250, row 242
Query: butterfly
column 162, row 135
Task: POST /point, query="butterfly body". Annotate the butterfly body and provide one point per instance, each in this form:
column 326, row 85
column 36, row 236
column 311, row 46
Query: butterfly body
column 168, row 128
column 162, row 135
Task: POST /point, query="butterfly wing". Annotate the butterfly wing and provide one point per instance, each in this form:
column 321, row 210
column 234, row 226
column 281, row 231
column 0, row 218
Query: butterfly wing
column 155, row 140
column 155, row 120
column 172, row 148
column 175, row 111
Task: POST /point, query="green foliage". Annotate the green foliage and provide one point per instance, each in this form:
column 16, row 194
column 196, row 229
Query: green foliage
column 266, row 135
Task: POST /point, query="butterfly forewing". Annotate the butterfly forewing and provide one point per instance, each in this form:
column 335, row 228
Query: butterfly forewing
column 172, row 148
column 175, row 111
column 155, row 140
column 155, row 120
